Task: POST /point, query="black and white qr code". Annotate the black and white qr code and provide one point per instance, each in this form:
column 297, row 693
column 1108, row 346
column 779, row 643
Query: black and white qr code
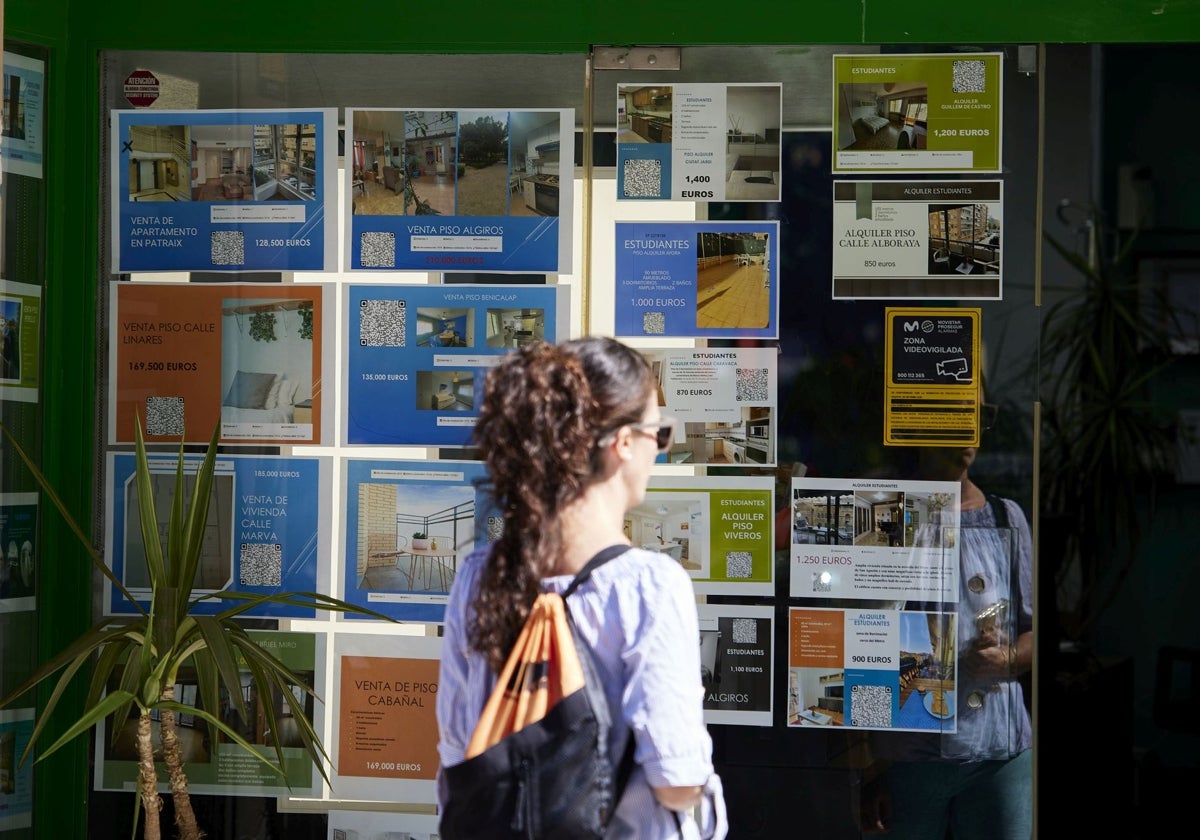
column 381, row 323
column 164, row 415
column 377, row 249
column 738, row 564
column 871, row 705
column 969, row 76
column 822, row 583
column 654, row 323
column 643, row 178
column 495, row 527
column 261, row 564
column 228, row 247
column 752, row 385
column 745, row 631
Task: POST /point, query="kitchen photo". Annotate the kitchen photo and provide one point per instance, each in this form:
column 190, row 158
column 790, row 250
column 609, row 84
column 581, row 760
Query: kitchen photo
column 644, row 114
column 747, row 440
column 534, row 163
column 675, row 524
column 752, row 153
column 513, row 328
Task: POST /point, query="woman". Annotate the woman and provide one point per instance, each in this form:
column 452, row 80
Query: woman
column 569, row 434
column 978, row 781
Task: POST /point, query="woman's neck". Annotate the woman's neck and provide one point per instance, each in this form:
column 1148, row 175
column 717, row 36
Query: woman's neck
column 594, row 521
column 970, row 496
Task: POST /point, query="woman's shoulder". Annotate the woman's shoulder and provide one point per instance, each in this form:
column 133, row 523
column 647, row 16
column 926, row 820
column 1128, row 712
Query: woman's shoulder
column 635, row 570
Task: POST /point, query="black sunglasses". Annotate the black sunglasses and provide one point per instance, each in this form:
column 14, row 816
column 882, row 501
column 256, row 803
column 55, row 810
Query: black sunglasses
column 663, row 431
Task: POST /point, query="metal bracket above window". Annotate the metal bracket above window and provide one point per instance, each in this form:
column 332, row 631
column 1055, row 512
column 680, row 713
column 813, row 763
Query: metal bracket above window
column 635, row 58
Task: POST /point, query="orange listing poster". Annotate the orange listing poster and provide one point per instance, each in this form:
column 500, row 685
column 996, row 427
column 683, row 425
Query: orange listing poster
column 184, row 357
column 386, row 718
column 816, row 638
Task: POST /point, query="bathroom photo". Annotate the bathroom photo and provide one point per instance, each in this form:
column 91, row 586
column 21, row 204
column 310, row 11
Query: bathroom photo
column 675, row 524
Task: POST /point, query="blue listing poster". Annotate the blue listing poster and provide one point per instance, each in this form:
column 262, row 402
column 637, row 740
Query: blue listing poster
column 19, row 551
column 16, row 776
column 21, row 148
column 445, row 190
column 697, row 279
column 408, row 524
column 417, row 355
column 265, row 532
column 246, row 190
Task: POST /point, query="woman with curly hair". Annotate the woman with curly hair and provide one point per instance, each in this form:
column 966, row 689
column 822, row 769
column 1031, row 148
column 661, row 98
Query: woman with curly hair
column 568, row 434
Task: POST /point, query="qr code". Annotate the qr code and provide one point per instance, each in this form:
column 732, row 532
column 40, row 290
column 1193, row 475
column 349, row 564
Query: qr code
column 164, row 415
column 871, row 705
column 968, row 76
column 752, row 385
column 738, row 564
column 228, row 247
column 745, row 631
column 261, row 564
column 822, row 582
column 377, row 250
column 381, row 323
column 654, row 323
column 643, row 178
column 495, row 527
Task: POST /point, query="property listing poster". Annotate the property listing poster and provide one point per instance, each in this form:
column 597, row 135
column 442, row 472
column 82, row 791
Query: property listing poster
column 388, row 566
column 246, row 190
column 385, row 731
column 21, row 554
column 917, row 239
column 432, row 189
column 737, row 656
column 697, row 279
column 417, row 355
column 21, row 148
column 917, row 113
column 267, row 529
column 20, row 341
column 699, row 142
column 725, row 401
column 720, row 529
column 16, row 779
column 932, row 389
column 872, row 669
column 875, row 538
column 251, row 357
column 369, row 825
column 223, row 767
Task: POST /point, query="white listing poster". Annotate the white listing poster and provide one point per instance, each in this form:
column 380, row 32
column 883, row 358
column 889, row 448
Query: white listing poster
column 917, row 239
column 725, row 401
column 699, row 142
column 874, row 539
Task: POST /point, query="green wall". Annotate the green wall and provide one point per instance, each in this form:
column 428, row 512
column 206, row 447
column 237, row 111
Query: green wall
column 74, row 31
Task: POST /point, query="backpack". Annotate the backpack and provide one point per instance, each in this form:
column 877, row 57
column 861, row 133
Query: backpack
column 537, row 764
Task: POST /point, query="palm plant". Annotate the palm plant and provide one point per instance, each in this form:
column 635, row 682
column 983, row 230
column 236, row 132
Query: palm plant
column 1106, row 448
column 145, row 652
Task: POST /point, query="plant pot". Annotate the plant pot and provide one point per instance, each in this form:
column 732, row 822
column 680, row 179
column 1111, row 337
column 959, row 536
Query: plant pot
column 420, row 544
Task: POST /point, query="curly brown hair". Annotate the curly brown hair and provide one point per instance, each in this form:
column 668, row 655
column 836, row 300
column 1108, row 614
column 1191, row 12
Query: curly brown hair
column 545, row 408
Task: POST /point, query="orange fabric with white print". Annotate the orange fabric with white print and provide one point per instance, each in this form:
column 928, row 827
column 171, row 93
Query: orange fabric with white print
column 541, row 670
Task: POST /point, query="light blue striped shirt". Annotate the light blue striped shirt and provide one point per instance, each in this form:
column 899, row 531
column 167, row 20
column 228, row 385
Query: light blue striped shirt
column 638, row 615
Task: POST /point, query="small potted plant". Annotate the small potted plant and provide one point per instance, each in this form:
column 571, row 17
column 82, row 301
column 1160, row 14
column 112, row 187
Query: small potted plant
column 420, row 540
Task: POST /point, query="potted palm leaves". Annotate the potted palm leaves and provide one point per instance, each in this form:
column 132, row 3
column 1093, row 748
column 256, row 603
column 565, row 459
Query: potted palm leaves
column 143, row 654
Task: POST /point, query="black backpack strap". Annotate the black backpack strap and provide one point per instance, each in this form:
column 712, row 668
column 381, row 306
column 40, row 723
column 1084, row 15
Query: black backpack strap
column 601, row 557
column 625, row 766
column 999, row 511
